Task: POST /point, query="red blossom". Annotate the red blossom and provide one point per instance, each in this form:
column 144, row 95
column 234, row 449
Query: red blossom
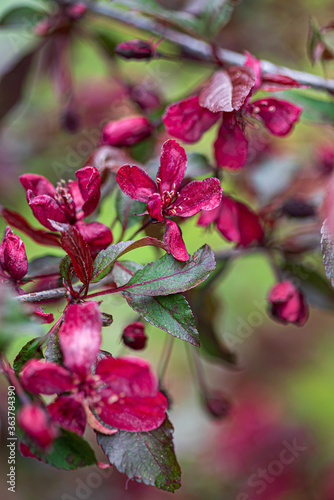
column 13, row 257
column 134, row 336
column 235, row 221
column 123, row 392
column 37, row 424
column 126, row 132
column 287, row 304
column 69, row 203
column 165, row 199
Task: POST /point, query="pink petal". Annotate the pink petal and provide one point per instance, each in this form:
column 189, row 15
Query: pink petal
column 187, row 120
column 255, row 64
column 80, row 337
column 276, row 83
column 15, row 257
column 95, row 424
column 126, row 132
column 89, row 180
column 37, row 184
column 36, row 423
column 73, row 187
column 154, row 207
column 43, row 316
column 208, row 217
column 136, row 183
column 97, row 235
column 228, row 89
column 174, row 241
column 197, row 195
column 231, row 146
column 68, row 413
column 45, row 209
column 40, row 376
column 173, row 164
column 278, row 116
column 287, row 304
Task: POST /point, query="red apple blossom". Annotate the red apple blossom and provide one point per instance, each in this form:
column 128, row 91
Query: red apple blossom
column 165, row 199
column 287, row 304
column 122, row 392
column 126, row 132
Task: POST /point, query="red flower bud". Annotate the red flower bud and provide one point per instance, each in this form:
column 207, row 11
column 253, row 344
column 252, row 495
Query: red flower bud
column 126, row 132
column 135, row 49
column 287, row 304
column 13, row 256
column 36, row 423
column 134, row 336
column 217, row 405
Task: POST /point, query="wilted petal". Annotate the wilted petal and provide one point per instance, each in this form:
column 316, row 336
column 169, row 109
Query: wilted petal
column 14, row 255
column 43, row 377
column 45, row 209
column 68, row 413
column 98, row 236
column 197, row 195
column 36, row 423
column 187, row 120
column 278, row 116
column 173, row 164
column 239, row 223
column 154, row 207
column 37, row 184
column 287, row 304
column 174, row 241
column 126, row 132
column 231, row 146
column 136, row 183
column 80, row 337
column 131, row 399
column 90, row 187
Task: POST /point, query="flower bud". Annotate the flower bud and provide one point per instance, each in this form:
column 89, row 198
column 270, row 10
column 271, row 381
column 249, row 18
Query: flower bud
column 13, row 258
column 134, row 336
column 126, row 132
column 36, row 423
column 298, row 208
column 135, row 49
column 217, row 405
column 287, row 304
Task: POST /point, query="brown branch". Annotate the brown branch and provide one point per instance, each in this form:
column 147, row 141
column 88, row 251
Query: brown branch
column 202, row 50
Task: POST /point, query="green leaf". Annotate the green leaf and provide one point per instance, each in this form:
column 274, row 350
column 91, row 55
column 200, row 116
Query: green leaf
column 314, row 109
column 66, row 268
column 216, row 15
column 126, row 210
column 31, row 350
column 147, row 457
column 69, row 451
column 168, row 275
column 124, row 270
column 106, row 259
column 170, row 313
column 22, row 17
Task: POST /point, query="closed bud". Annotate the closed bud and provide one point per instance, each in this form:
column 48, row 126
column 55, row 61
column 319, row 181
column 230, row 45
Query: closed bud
column 287, row 304
column 36, row 423
column 126, row 132
column 135, row 49
column 134, row 336
column 217, row 405
column 13, row 256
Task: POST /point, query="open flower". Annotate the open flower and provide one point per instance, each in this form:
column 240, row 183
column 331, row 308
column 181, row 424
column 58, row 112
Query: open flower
column 165, row 198
column 287, row 304
column 190, row 118
column 122, row 392
column 69, row 203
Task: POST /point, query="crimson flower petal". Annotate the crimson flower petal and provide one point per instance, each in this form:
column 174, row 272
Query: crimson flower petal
column 174, row 241
column 98, row 236
column 276, row 83
column 43, row 316
column 154, row 207
column 46, row 208
column 173, row 164
column 40, row 376
column 136, row 183
column 187, row 120
column 126, row 132
column 208, row 217
column 231, row 146
column 278, row 116
column 14, row 255
column 197, row 195
column 68, row 413
column 37, row 184
column 89, row 181
column 238, row 223
column 255, row 64
column 287, row 304
column 80, row 337
column 36, row 423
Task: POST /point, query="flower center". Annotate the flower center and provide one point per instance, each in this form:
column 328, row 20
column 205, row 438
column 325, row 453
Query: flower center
column 64, row 198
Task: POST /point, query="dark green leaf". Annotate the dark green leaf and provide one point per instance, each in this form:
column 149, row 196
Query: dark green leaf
column 107, row 319
column 66, row 269
column 21, row 17
column 168, row 275
column 147, row 457
column 106, row 259
column 107, row 43
column 171, row 313
column 31, row 350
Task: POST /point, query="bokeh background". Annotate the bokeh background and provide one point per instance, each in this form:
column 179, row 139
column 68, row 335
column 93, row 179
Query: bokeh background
column 282, row 391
